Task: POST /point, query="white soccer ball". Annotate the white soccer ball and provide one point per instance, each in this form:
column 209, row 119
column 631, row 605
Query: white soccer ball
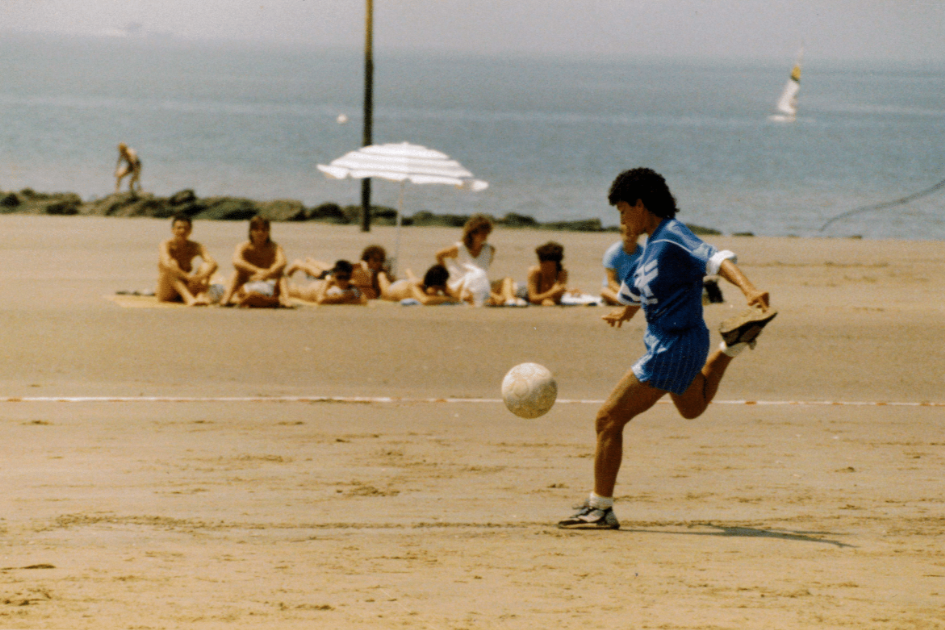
column 529, row 390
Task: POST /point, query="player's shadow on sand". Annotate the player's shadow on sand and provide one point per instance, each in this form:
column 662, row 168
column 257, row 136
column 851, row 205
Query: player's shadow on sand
column 749, row 532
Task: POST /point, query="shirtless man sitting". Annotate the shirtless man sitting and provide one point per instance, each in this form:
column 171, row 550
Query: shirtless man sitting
column 177, row 282
column 258, row 279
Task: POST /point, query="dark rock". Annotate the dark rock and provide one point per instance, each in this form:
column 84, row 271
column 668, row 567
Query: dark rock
column 118, row 205
column 228, row 209
column 9, row 200
column 182, row 197
column 352, row 213
column 704, row 231
column 128, row 204
column 380, row 215
column 329, row 212
column 515, row 220
column 69, row 207
column 148, row 207
column 190, row 209
column 282, row 210
column 426, row 218
column 584, row 225
column 47, row 203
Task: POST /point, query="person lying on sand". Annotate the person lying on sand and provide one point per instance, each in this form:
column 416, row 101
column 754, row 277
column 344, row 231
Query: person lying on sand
column 307, row 289
column 338, row 287
column 429, row 291
column 258, row 279
column 366, row 275
column 177, row 282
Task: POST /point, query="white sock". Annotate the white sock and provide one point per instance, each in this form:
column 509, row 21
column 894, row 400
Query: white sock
column 601, row 503
column 733, row 350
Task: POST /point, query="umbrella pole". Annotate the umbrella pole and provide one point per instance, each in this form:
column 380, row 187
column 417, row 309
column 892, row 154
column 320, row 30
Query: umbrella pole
column 400, row 211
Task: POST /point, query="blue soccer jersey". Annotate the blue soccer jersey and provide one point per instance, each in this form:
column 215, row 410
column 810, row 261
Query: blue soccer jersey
column 666, row 280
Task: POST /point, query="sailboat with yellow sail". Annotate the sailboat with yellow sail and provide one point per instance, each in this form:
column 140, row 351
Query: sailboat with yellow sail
column 787, row 104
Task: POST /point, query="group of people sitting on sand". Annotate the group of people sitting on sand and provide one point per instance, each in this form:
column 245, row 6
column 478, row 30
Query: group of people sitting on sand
column 262, row 276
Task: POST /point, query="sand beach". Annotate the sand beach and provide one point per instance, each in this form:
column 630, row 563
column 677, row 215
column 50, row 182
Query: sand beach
column 809, row 495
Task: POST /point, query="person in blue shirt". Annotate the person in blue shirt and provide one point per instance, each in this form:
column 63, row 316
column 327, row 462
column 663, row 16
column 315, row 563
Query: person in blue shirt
column 617, row 261
column 666, row 282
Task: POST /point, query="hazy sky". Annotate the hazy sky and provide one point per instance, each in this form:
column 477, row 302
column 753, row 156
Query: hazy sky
column 829, row 29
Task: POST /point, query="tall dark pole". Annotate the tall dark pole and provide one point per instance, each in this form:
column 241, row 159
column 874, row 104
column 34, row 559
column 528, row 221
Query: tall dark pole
column 368, row 111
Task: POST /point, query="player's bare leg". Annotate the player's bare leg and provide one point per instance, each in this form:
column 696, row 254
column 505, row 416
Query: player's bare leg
column 629, row 399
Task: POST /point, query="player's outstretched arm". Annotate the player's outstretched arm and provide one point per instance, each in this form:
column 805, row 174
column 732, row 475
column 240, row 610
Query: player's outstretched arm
column 618, row 317
column 733, row 274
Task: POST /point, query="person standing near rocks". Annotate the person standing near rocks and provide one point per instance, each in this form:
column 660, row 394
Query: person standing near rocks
column 128, row 164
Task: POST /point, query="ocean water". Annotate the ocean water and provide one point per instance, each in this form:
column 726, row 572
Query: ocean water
column 548, row 134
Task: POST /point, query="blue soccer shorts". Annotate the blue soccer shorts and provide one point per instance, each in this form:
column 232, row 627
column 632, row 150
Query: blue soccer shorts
column 672, row 359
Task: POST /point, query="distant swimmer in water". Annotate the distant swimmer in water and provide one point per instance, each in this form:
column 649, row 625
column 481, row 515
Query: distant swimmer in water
column 128, row 164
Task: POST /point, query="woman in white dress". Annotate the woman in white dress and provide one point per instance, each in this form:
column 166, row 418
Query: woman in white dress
column 468, row 262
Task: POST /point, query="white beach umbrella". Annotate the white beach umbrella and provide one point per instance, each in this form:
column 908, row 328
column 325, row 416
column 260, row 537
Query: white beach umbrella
column 402, row 163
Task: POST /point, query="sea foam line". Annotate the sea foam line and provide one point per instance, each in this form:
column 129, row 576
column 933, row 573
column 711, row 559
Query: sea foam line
column 396, row 399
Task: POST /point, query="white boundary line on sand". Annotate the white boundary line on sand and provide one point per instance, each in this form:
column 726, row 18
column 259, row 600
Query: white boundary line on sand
column 388, row 400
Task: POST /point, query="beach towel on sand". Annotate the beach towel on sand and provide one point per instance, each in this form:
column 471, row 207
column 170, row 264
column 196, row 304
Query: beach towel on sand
column 142, row 299
column 580, row 299
column 139, row 299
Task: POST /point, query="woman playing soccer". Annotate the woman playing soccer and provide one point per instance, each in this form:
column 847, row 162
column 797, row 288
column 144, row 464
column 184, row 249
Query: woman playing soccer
column 666, row 282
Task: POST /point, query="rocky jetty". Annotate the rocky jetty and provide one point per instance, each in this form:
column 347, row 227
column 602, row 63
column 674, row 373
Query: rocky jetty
column 187, row 202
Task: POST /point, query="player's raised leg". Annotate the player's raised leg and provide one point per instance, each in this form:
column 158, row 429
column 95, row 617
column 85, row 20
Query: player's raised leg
column 738, row 333
column 694, row 401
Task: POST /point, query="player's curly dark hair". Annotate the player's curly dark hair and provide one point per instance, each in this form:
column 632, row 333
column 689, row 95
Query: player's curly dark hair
column 646, row 185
